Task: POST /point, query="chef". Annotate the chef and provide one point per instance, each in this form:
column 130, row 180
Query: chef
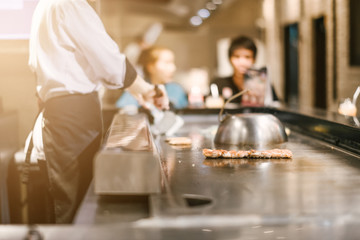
column 72, row 56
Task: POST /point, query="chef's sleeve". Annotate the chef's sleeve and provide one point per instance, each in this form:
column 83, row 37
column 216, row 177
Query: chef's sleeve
column 86, row 31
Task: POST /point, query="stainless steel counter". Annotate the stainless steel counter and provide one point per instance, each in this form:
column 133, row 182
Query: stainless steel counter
column 320, row 181
column 314, row 195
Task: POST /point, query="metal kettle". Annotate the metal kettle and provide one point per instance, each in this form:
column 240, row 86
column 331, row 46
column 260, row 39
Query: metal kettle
column 249, row 128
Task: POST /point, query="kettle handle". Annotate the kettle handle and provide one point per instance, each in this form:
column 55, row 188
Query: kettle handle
column 229, row 100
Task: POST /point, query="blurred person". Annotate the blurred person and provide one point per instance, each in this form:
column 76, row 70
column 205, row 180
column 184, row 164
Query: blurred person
column 158, row 67
column 72, row 56
column 132, row 52
column 134, row 49
column 242, row 55
column 142, row 42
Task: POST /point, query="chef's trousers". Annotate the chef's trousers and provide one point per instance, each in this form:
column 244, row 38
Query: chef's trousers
column 72, row 134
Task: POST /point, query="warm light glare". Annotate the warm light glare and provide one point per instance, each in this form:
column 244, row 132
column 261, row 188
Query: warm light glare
column 293, row 9
column 211, row 6
column 268, row 10
column 11, row 4
column 217, row 2
column 204, row 13
column 195, row 90
column 17, row 14
column 196, row 21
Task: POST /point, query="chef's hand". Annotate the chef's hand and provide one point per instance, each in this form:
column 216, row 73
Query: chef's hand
column 159, row 97
column 146, row 94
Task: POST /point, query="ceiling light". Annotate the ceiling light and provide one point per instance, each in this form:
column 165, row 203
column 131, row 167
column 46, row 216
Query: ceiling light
column 11, row 4
column 218, row 2
column 204, row 13
column 211, row 6
column 196, row 21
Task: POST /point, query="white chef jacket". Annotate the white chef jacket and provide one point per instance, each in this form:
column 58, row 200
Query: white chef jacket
column 70, row 51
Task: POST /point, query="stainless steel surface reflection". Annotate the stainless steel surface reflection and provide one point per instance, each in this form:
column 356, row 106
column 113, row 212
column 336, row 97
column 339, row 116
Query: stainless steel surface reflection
column 320, row 181
column 314, row 195
column 250, row 129
column 128, row 164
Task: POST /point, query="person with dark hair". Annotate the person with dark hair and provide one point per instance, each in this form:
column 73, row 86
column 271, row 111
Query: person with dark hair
column 242, row 55
column 244, row 43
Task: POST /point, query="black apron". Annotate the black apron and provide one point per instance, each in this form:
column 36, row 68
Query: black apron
column 72, row 134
